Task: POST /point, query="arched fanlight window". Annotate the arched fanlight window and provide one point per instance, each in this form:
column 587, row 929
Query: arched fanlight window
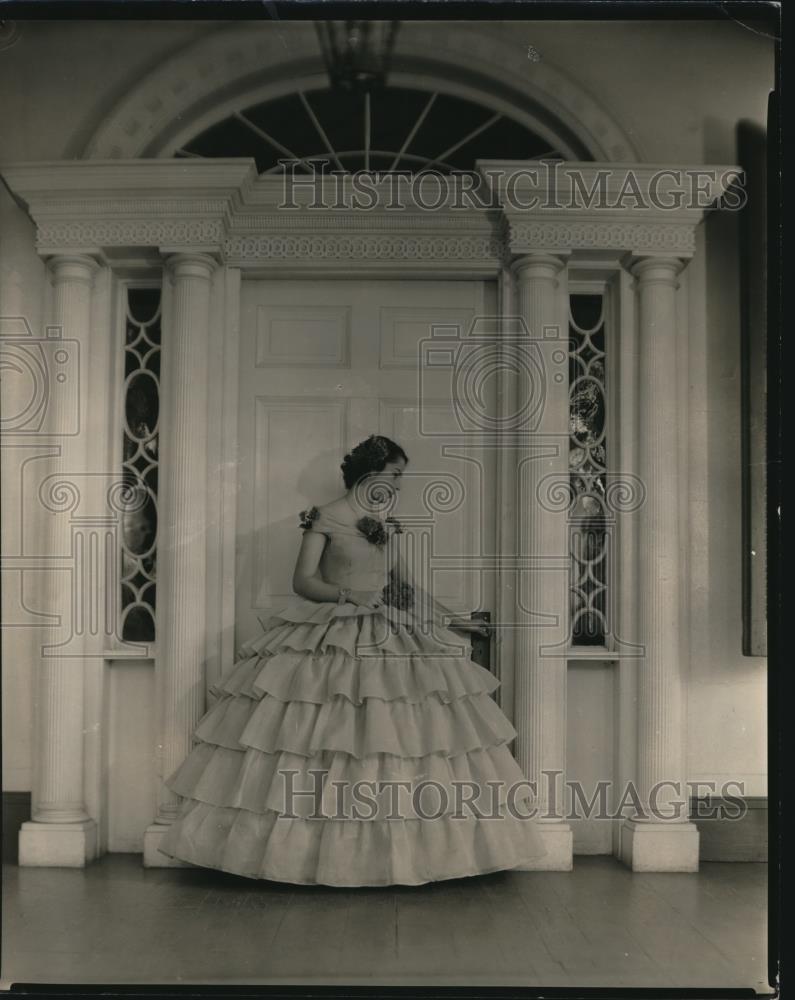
column 388, row 128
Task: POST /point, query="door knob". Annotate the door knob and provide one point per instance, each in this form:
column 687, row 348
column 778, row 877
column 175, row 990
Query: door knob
column 481, row 642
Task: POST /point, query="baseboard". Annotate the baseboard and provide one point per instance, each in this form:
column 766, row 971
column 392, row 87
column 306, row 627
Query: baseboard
column 16, row 811
column 725, row 838
column 721, row 838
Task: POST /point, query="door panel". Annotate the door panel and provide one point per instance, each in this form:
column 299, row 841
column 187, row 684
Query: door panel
column 323, row 365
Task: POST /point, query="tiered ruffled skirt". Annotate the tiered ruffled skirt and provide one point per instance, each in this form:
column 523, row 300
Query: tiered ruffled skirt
column 349, row 747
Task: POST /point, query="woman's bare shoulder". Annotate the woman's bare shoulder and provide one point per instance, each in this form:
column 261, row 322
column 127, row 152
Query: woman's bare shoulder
column 326, row 517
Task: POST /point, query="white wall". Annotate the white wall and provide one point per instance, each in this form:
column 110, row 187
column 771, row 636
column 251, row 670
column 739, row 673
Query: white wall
column 727, row 707
column 21, row 277
column 679, row 90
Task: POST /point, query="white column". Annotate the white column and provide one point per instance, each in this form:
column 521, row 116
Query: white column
column 61, row 833
column 660, row 838
column 504, row 647
column 181, row 548
column 540, row 675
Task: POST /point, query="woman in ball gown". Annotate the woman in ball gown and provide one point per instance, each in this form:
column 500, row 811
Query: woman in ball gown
column 354, row 742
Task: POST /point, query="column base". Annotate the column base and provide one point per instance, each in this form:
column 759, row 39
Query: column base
column 154, row 858
column 57, row 845
column 659, row 847
column 559, row 842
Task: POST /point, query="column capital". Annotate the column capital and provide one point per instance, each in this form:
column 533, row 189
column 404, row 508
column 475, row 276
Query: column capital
column 190, row 265
column 72, row 267
column 655, row 268
column 539, row 265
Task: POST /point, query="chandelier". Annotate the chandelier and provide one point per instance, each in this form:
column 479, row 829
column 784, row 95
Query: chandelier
column 357, row 53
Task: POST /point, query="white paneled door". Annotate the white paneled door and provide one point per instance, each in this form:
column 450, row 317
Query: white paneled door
column 323, row 364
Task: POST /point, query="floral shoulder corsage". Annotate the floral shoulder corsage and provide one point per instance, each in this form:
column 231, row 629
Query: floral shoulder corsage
column 307, row 517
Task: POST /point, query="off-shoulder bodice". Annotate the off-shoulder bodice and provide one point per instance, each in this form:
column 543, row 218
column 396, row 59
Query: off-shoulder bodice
column 349, row 559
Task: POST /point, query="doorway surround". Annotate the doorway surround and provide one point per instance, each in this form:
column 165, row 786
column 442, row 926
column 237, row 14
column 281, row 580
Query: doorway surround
column 204, row 225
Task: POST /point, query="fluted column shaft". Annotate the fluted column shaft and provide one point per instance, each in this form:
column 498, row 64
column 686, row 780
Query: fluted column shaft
column 540, row 679
column 660, row 681
column 58, row 795
column 182, row 561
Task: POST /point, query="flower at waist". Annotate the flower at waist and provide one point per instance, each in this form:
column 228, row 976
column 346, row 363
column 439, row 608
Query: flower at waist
column 398, row 593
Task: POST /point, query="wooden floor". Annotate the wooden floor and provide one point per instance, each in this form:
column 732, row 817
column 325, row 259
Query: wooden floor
column 600, row 925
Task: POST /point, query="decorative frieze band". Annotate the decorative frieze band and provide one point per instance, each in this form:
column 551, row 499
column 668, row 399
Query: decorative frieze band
column 364, row 247
column 525, row 237
column 130, row 232
column 522, row 238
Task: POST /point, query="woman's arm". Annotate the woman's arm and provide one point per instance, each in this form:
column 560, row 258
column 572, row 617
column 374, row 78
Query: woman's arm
column 309, row 583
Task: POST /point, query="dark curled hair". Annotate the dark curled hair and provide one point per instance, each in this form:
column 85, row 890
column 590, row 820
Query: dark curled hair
column 368, row 456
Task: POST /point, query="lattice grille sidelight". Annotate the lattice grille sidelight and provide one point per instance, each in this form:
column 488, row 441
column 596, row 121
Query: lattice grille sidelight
column 140, row 463
column 588, row 539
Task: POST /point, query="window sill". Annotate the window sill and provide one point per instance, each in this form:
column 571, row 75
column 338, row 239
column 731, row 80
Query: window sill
column 148, row 653
column 598, row 653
